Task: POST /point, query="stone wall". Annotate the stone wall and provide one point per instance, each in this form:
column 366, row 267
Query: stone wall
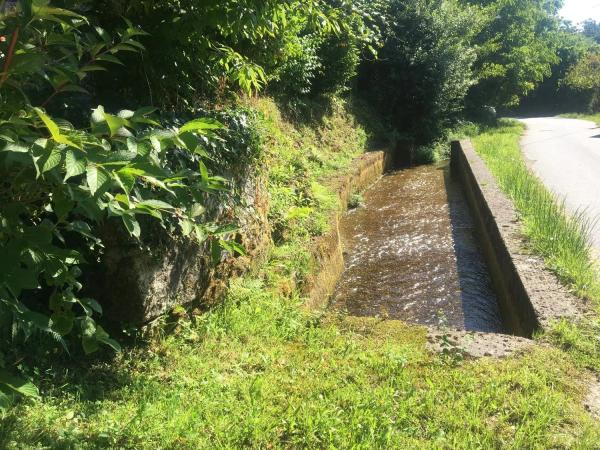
column 137, row 284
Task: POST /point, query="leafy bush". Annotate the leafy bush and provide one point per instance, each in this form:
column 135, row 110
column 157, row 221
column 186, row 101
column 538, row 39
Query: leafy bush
column 324, row 60
column 59, row 182
column 206, row 50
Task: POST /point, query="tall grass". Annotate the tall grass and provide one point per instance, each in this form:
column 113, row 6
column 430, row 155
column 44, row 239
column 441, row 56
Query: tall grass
column 562, row 238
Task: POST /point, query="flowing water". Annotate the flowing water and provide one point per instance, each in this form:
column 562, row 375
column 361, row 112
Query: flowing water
column 411, row 254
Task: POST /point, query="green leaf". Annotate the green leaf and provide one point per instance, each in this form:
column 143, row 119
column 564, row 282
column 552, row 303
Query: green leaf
column 74, row 165
column 233, row 247
column 62, row 322
column 98, row 114
column 187, row 226
column 109, row 58
column 203, row 171
column 50, row 124
column 53, row 160
column 93, row 68
column 132, row 225
column 18, row 385
column 92, row 304
column 88, row 327
column 83, row 228
column 47, row 12
column 62, row 139
column 157, row 204
column 126, row 180
column 38, row 320
column 145, row 111
column 54, row 130
column 156, row 182
column 125, row 114
column 200, row 233
column 16, row 148
column 103, row 337
column 115, row 123
column 200, row 125
column 196, row 210
column 89, row 344
column 96, row 178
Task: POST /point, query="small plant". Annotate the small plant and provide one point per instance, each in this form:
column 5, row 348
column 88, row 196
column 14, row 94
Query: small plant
column 356, row 200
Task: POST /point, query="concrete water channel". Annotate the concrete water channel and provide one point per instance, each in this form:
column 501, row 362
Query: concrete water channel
column 412, row 253
column 438, row 247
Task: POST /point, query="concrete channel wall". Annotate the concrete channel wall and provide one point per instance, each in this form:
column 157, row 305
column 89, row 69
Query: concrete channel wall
column 529, row 295
column 327, row 250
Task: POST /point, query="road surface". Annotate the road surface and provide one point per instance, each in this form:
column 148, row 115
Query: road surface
column 565, row 155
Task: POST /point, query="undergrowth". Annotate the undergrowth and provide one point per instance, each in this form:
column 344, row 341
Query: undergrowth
column 259, row 371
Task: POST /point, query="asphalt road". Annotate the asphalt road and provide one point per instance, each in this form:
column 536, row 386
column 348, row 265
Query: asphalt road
column 565, row 155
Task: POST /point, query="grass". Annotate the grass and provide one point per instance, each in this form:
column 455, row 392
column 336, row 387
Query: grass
column 561, row 238
column 258, row 371
column 591, row 117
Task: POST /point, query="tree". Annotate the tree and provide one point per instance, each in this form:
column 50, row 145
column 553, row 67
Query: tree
column 591, row 29
column 585, row 76
column 516, row 49
column 424, row 69
column 553, row 94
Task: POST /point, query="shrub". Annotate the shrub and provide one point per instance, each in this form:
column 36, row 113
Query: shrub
column 585, row 76
column 59, row 182
column 324, row 60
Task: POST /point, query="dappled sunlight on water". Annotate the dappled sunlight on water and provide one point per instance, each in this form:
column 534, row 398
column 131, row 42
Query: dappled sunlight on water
column 411, row 254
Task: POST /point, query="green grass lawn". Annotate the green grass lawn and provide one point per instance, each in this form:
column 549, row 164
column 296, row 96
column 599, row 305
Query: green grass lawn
column 258, row 371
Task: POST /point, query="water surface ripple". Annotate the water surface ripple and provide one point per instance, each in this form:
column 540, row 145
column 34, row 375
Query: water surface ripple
column 411, row 254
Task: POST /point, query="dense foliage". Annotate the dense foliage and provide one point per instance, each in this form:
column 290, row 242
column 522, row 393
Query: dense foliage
column 585, row 76
column 516, row 49
column 424, row 69
column 204, row 51
column 59, row 182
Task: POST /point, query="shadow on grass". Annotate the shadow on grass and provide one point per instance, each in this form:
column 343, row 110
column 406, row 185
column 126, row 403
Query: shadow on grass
column 86, row 384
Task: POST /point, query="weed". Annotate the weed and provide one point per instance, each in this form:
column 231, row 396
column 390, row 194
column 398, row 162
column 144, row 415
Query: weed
column 356, row 200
